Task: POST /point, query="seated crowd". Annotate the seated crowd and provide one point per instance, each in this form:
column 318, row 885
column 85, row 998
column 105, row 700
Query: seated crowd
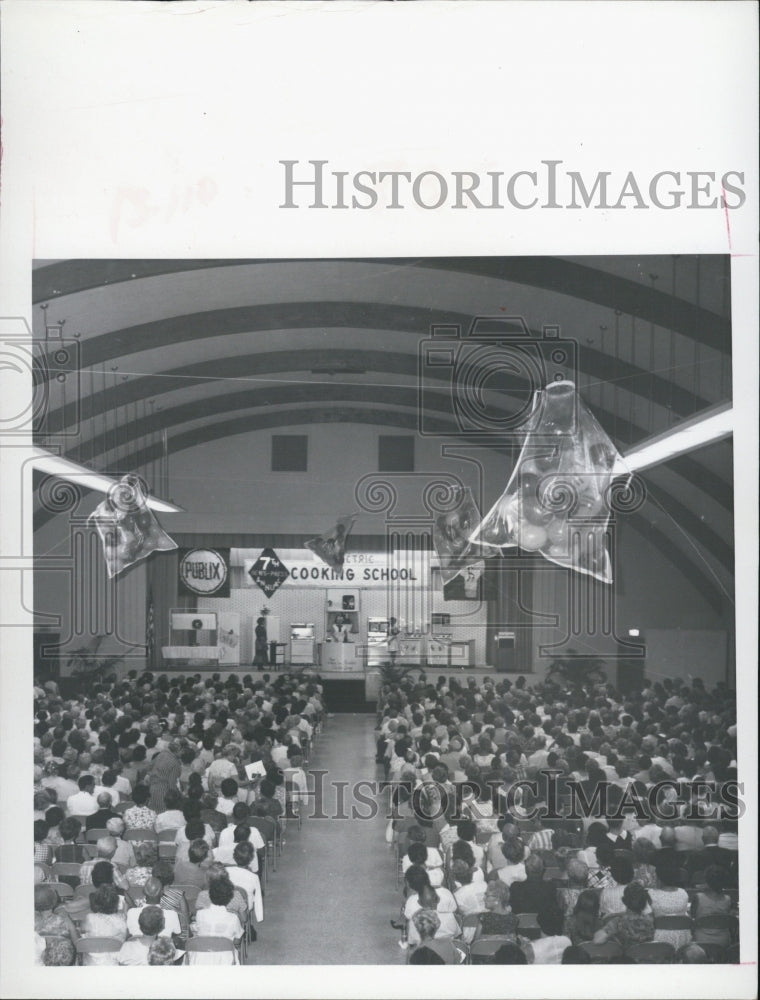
column 152, row 835
column 535, row 825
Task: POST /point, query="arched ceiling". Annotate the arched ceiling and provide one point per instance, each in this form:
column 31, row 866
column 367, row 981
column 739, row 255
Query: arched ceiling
column 206, row 349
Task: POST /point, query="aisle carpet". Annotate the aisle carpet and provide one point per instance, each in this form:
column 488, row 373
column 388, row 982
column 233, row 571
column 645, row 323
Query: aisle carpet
column 334, row 892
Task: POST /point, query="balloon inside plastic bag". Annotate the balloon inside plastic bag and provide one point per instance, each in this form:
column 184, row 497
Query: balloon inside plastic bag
column 557, row 500
column 127, row 527
column 451, row 534
column 331, row 547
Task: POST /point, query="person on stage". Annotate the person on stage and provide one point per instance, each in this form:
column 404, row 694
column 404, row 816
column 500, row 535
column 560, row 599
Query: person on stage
column 261, row 648
column 340, row 629
column 393, row 639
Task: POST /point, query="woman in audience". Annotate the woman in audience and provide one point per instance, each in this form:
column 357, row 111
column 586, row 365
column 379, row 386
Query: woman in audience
column 70, row 850
column 670, row 900
column 135, row 950
column 635, row 925
column 549, row 948
column 163, row 952
column 428, row 858
column 146, row 856
column 239, row 902
column 611, row 898
column 577, row 880
column 712, row 902
column 47, row 922
column 644, row 871
column 193, row 871
column 423, row 895
column 496, row 918
column 426, row 924
column 215, row 920
column 139, row 816
column 104, row 920
column 583, row 923
column 514, row 870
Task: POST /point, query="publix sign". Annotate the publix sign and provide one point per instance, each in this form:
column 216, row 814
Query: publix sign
column 205, row 572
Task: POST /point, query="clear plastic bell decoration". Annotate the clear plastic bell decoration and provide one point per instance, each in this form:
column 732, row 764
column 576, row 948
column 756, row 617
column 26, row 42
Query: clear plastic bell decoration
column 557, row 500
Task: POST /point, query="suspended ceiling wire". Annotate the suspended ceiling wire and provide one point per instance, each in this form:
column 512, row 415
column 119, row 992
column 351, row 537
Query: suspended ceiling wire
column 687, row 536
column 389, row 385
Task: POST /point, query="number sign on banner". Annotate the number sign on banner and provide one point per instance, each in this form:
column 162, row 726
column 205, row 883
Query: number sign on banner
column 268, row 572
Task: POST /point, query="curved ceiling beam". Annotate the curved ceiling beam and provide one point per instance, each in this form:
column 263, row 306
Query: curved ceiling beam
column 293, row 396
column 686, row 560
column 593, row 363
column 549, row 273
column 152, row 386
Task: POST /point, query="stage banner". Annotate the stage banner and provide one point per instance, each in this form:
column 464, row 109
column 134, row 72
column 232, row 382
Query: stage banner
column 368, row 570
column 204, row 572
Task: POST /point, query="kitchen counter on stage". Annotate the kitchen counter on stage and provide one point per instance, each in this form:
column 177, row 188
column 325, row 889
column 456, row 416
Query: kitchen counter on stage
column 341, row 657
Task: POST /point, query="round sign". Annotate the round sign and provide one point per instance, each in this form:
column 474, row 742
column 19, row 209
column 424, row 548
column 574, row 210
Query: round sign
column 203, row 571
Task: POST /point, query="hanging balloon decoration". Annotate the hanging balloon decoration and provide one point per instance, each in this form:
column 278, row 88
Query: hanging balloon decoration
column 557, row 499
column 127, row 527
column 331, row 546
column 451, row 533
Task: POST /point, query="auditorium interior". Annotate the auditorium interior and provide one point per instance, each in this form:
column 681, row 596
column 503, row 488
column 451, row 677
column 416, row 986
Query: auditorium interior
column 380, row 724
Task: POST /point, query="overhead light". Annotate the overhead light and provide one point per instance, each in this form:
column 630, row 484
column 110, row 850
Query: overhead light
column 55, row 465
column 710, row 425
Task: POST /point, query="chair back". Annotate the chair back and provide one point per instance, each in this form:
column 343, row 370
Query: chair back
column 528, row 926
column 715, row 922
column 83, row 890
column 652, row 953
column 483, row 949
column 96, row 946
column 203, row 944
column 167, row 836
column 69, row 869
column 64, row 890
column 190, row 892
column 167, row 850
column 122, row 807
column 145, row 836
column 601, row 954
column 673, row 922
column 92, row 836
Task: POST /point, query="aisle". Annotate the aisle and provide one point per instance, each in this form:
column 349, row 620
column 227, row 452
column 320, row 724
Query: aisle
column 334, row 891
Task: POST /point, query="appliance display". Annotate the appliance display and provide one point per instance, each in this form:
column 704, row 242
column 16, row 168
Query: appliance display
column 438, row 649
column 302, row 643
column 377, row 641
column 192, row 637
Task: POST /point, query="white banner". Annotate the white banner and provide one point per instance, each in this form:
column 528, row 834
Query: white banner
column 367, row 570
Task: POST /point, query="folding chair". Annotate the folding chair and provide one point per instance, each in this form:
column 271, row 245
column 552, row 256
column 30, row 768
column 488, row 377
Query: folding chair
column 207, row 945
column 601, row 954
column 92, row 836
column 167, row 836
column 190, row 892
column 146, row 836
column 483, row 949
column 652, row 953
column 64, row 890
column 96, row 946
column 84, row 890
column 675, row 922
column 122, row 807
column 67, row 871
column 528, row 926
column 167, row 851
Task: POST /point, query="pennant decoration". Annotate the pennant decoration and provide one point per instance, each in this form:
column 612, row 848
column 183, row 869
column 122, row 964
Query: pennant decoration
column 127, row 527
column 451, row 534
column 331, row 547
column 557, row 500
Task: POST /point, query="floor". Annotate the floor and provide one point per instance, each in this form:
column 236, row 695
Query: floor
column 334, row 892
